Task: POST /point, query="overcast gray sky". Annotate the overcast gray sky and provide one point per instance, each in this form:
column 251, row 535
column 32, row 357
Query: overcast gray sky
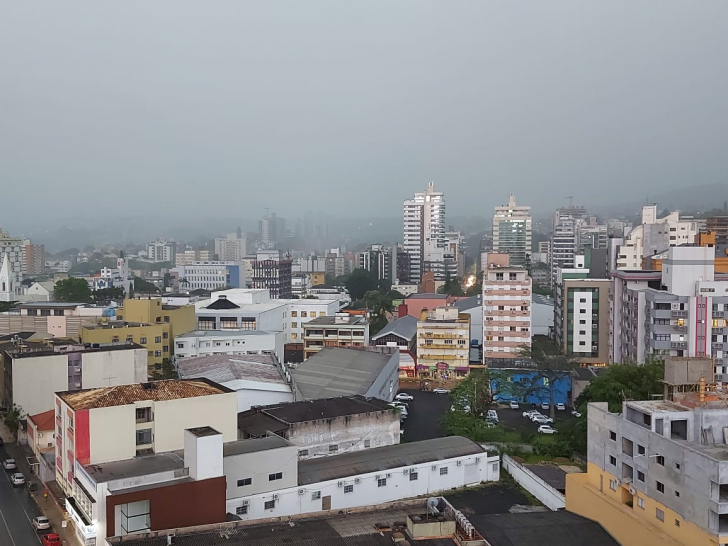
column 226, row 107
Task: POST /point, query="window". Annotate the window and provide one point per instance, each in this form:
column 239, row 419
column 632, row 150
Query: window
column 275, row 476
column 158, row 339
column 304, row 314
column 640, row 449
column 165, row 348
column 413, row 476
column 582, row 321
column 348, row 489
column 641, row 502
column 294, row 336
column 640, row 476
column 165, row 335
column 294, row 313
column 660, row 460
column 367, row 443
column 144, row 436
column 270, row 505
column 612, row 435
column 613, row 485
column 660, row 486
column 143, row 340
column 303, row 452
column 612, row 461
column 157, row 353
column 382, row 482
column 166, row 318
column 582, row 311
column 241, row 510
column 677, row 465
column 316, row 495
column 244, row 482
column 677, row 523
column 443, row 471
column 677, row 493
column 659, row 514
column 582, row 300
column 333, row 448
column 294, row 325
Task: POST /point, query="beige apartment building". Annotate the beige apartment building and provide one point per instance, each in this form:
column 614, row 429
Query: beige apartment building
column 506, row 308
column 443, row 350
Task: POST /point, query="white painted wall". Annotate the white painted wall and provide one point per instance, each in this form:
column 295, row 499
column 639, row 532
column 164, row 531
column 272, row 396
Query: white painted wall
column 582, row 313
column 253, row 393
column 112, row 433
column 109, row 368
column 551, row 498
column 191, row 345
column 203, row 455
column 258, row 466
column 367, row 492
column 35, row 379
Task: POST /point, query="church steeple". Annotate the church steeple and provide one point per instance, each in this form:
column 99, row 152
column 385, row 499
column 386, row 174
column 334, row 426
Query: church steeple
column 7, row 281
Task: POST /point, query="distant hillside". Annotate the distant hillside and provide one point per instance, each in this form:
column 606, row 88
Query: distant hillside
column 690, row 199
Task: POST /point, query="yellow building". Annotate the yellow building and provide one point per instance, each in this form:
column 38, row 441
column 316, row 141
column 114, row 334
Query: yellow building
column 317, row 278
column 443, row 343
column 648, row 481
column 147, row 322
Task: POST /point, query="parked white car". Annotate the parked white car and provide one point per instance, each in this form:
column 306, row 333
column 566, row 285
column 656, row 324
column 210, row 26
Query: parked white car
column 545, row 406
column 404, row 397
column 534, row 415
column 546, row 429
column 41, row 523
column 440, row 390
column 17, row 479
column 560, row 407
column 9, row 464
column 530, row 412
column 575, row 413
column 513, row 404
column 542, row 420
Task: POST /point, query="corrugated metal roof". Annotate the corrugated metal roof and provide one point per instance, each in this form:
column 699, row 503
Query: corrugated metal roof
column 336, row 371
column 384, row 458
column 226, row 368
column 121, row 395
column 404, row 327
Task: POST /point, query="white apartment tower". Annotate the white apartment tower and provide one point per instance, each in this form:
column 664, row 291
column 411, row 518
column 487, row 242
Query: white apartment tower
column 231, row 248
column 512, row 231
column 506, row 308
column 424, row 233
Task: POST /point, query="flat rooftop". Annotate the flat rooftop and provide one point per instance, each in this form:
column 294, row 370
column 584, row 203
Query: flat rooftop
column 656, row 406
column 138, row 466
column 349, row 320
column 102, row 348
column 384, row 458
column 155, row 391
column 225, row 333
column 253, row 445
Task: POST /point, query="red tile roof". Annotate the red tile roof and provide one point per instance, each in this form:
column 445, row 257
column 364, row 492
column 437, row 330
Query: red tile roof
column 43, row 421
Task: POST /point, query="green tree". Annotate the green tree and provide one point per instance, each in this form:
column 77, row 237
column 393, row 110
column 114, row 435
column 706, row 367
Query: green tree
column 474, row 391
column 73, row 290
column 12, row 419
column 527, row 264
column 453, row 287
column 144, row 287
column 360, row 282
column 108, row 294
column 168, row 371
column 621, row 382
column 5, row 306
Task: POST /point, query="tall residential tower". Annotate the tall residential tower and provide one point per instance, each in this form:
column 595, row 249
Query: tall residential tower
column 512, row 231
column 424, row 233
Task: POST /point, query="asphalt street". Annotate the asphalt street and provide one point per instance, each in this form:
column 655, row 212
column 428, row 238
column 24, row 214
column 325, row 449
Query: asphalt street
column 17, row 509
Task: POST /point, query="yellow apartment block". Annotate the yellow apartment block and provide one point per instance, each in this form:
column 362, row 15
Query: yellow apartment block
column 148, row 323
column 596, row 495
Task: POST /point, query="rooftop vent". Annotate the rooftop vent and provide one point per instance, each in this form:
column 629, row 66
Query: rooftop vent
column 148, row 386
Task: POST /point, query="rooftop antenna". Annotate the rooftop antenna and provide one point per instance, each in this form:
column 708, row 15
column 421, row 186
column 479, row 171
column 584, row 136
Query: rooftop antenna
column 432, row 504
column 571, row 200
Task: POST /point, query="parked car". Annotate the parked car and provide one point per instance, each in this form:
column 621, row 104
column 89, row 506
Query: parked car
column 404, row 397
column 17, row 479
column 41, row 523
column 530, row 412
column 402, row 410
column 51, row 539
column 560, row 407
column 440, row 390
column 2, row 442
column 9, row 464
column 545, row 406
column 575, row 413
column 542, row 420
column 534, row 415
column 462, row 407
column 546, row 429
column 514, row 405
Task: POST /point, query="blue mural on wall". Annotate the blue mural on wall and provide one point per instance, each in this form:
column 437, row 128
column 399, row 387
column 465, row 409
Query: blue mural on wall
column 537, row 389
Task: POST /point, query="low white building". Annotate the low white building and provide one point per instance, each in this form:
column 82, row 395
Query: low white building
column 38, row 291
column 258, row 380
column 228, row 342
column 374, row 476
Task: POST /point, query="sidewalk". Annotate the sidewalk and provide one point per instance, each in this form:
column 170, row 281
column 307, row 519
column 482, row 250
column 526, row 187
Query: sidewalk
column 48, row 506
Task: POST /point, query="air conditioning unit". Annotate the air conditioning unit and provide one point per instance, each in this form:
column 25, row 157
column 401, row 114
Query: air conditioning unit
column 434, row 467
column 246, row 502
column 405, row 471
column 477, row 459
column 301, row 491
column 389, row 474
column 357, row 480
column 275, row 497
column 459, row 463
column 378, row 476
column 340, row 484
column 632, row 490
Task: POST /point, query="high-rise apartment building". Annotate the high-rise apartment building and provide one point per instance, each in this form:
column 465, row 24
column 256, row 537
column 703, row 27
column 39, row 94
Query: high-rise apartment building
column 271, row 231
column 424, row 233
column 273, row 270
column 570, row 224
column 378, row 260
column 512, row 231
column 34, row 259
column 231, row 248
column 162, row 251
column 506, row 308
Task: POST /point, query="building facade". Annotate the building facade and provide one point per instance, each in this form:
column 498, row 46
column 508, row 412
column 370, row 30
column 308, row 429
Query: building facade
column 378, row 260
column 34, row 259
column 228, row 342
column 162, row 251
column 512, row 231
column 215, row 275
column 424, row 233
column 443, row 344
column 507, row 294
column 231, row 248
column 272, row 270
column 340, row 330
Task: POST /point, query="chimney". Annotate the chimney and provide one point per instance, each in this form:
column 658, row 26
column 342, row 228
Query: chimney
column 402, row 310
column 423, row 314
column 203, row 453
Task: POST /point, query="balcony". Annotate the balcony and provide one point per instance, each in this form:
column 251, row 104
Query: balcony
column 679, row 313
column 717, row 345
column 679, row 345
column 718, row 314
column 679, row 329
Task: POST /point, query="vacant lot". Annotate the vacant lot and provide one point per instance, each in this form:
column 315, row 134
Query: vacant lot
column 425, row 415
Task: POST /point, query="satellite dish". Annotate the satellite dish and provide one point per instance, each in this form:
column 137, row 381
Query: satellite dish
column 432, row 504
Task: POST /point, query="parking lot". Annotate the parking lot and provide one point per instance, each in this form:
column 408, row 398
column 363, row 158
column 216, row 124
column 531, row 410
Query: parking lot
column 424, row 415
column 514, row 419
